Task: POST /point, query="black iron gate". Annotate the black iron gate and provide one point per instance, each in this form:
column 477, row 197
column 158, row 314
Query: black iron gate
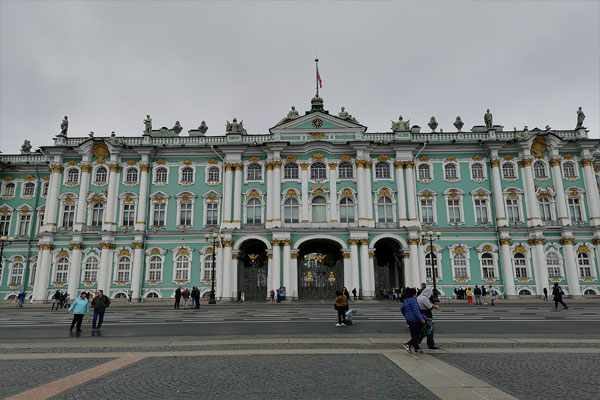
column 252, row 278
column 319, row 276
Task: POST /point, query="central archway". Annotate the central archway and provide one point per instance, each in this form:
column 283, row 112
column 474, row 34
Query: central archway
column 320, row 269
column 389, row 267
column 252, row 270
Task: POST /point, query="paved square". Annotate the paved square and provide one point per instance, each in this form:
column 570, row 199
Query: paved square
column 20, row 375
column 534, row 376
column 310, row 377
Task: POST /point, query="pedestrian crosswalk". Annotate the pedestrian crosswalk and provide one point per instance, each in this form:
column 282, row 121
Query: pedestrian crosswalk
column 295, row 313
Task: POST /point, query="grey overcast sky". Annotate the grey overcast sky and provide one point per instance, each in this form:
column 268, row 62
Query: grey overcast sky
column 106, row 64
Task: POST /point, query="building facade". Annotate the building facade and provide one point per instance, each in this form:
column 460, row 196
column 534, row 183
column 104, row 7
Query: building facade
column 315, row 204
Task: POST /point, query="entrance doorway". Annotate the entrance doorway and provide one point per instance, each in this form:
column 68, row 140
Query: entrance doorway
column 252, row 270
column 389, row 268
column 320, row 269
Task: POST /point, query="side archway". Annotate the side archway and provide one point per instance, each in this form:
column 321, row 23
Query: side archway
column 388, row 265
column 319, row 237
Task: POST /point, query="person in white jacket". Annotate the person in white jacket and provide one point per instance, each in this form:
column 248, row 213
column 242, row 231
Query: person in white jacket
column 427, row 306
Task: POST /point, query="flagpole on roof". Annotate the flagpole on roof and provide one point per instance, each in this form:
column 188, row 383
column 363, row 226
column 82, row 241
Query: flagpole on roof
column 317, row 75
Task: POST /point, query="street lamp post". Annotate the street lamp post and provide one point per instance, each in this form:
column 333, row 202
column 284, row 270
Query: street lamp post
column 212, row 299
column 430, row 236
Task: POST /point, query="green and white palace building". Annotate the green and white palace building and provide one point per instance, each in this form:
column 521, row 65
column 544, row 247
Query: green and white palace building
column 315, row 204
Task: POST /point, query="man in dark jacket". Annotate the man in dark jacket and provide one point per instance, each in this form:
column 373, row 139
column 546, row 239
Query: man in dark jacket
column 557, row 295
column 177, row 298
column 100, row 304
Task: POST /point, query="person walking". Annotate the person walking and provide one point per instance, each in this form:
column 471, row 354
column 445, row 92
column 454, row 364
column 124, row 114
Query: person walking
column 414, row 319
column 129, row 295
column 272, row 295
column 484, row 294
column 493, row 295
column 469, row 294
column 346, row 293
column 557, row 296
column 79, row 308
column 100, row 303
column 55, row 300
column 477, row 293
column 426, row 306
column 21, row 298
column 177, row 298
column 546, row 294
column 354, row 294
column 341, row 306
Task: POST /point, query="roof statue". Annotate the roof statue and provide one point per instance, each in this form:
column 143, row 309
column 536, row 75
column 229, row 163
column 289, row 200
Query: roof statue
column 346, row 116
column 488, row 119
column 580, row 118
column 291, row 115
column 400, row 125
column 26, row 147
column 203, row 127
column 177, row 128
column 64, row 126
column 458, row 123
column 147, row 125
column 235, row 127
column 433, row 124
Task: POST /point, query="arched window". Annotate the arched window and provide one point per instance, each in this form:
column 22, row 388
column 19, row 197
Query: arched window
column 90, row 270
column 62, row 270
column 187, row 175
column 9, row 189
column 431, row 266
column 575, row 209
column 382, row 170
column 318, row 171
column 513, row 209
column 450, row 172
column 553, row 265
column 101, row 176
column 131, row 176
column 424, row 172
column 28, row 189
column 123, row 269
column 569, row 169
column 155, row 269
column 477, row 171
column 97, row 214
column 539, row 169
column 182, row 268
column 385, row 210
column 208, row 268
column 460, row 266
column 488, row 268
column 160, row 175
column 254, row 211
column 345, row 170
column 290, row 171
column 16, row 273
column 213, row 175
column 291, row 210
column 545, row 208
column 585, row 268
column 72, row 176
column 508, row 170
column 520, row 265
column 254, row 172
column 319, row 209
column 347, row 210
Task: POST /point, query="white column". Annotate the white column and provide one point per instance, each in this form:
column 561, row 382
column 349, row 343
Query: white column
column 305, row 203
column 361, row 187
column 356, row 283
column 401, row 200
column 287, row 277
column 270, row 194
column 571, row 269
column 591, row 189
column 365, row 268
column 371, row 274
column 276, row 198
column 369, row 191
column 348, row 276
column 411, row 196
column 539, row 265
column 561, row 202
column 406, row 268
column 293, row 289
column 227, row 193
column 105, row 271
column 533, row 210
column 497, row 193
column 84, row 183
column 227, row 271
column 413, row 247
column 42, row 276
column 112, row 202
column 219, row 281
column 596, row 244
column 136, row 273
column 54, row 183
column 237, row 196
column 74, row 269
column 142, row 205
column 507, row 270
column 234, row 274
column 269, row 273
column 276, row 267
column 333, row 214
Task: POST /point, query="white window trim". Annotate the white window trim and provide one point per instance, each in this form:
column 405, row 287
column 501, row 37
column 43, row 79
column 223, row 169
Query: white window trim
column 116, row 258
column 35, row 185
column 263, row 171
column 461, row 206
column 351, row 163
column 467, row 260
column 591, row 255
column 488, row 207
column 519, row 203
column 263, row 207
column 3, row 188
column 193, row 202
column 174, row 267
column 154, row 168
column 284, row 179
column 66, row 176
column 420, row 196
column 11, row 263
column 127, row 167
column 458, row 176
column 205, row 207
column 515, row 169
column 339, row 197
column 93, row 176
column 327, row 208
column 284, row 197
column 547, row 169
column 376, row 195
column 61, row 210
column 484, row 168
column 151, row 216
column 494, row 253
column 431, row 172
column 180, row 175
column 327, row 172
column 31, row 215
column 38, row 213
column 11, row 214
column 122, row 207
column 528, row 262
column 149, row 254
column 581, row 194
column 203, row 255
column 552, row 248
column 209, row 166
column 439, row 253
column 391, row 168
column 44, row 182
column 55, row 258
column 90, row 208
column 575, row 168
column 84, row 260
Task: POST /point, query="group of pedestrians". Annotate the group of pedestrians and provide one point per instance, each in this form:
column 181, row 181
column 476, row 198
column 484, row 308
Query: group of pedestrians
column 81, row 307
column 477, row 295
column 60, row 300
column 186, row 295
column 417, row 308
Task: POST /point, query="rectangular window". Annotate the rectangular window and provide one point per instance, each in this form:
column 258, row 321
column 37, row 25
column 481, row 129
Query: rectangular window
column 185, row 213
column 159, row 214
column 4, row 224
column 481, row 211
column 512, row 211
column 128, row 214
column 575, row 210
column 24, row 223
column 545, row 210
column 212, row 214
column 97, row 214
column 68, row 216
column 427, row 211
column 454, row 216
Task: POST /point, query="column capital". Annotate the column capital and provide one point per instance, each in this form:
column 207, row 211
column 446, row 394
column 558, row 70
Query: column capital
column 353, row 241
column 114, row 167
column 587, row 162
column 75, row 246
column 137, row 245
column 399, row 164
column 363, row 163
column 409, row 164
column 107, row 245
column 85, row 167
column 495, row 163
column 346, row 254
column 46, row 246
column 555, row 162
column 371, row 253
column 596, row 241
column 505, row 242
column 144, row 167
column 413, row 242
column 535, row 241
column 304, row 166
column 332, row 166
column 525, row 162
column 227, row 243
column 364, row 242
column 56, row 167
column 567, row 241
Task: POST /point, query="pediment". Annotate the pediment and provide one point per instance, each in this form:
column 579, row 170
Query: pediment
column 318, row 122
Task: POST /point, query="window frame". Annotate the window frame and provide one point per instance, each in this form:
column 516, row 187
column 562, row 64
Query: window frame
column 388, row 175
column 67, row 181
column 291, row 207
column 314, row 172
column 184, row 170
column 209, row 171
column 480, row 164
column 24, row 187
column 514, row 169
column 537, row 169
column 345, row 166
column 255, row 167
column 291, row 166
column 126, row 175
column 106, row 173
column 385, row 205
column 456, row 166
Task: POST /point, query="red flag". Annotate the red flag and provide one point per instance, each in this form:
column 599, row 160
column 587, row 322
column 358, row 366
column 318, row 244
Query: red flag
column 319, row 80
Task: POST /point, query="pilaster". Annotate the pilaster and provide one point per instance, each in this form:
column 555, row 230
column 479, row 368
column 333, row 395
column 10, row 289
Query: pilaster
column 74, row 267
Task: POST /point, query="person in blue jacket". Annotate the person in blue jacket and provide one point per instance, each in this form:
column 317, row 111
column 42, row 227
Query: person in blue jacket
column 415, row 320
column 79, row 308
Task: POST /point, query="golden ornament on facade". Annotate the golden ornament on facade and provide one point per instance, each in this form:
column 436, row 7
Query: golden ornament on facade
column 124, row 253
column 413, row 241
column 159, row 199
column 508, row 157
column 317, row 135
column 160, row 162
column 46, row 246
column 304, row 166
column 346, row 254
column 399, row 164
column 75, row 246
column 383, row 157
column 144, row 167
column 212, row 161
column 227, row 243
column 361, row 163
column 426, row 194
column 100, row 152
column 130, row 162
column 423, row 158
column 294, row 254
column 409, row 164
column 86, row 167
column 555, row 162
column 107, row 246
column 137, row 245
column 291, row 193
column 495, row 163
column 253, row 194
column 155, row 251
column 63, row 253
column 211, row 196
column 567, row 241
column 183, row 251
column 29, row 178
column 505, row 242
column 568, row 156
column 71, row 163
column 573, row 192
column 583, row 249
column 481, row 193
column 453, row 193
column 487, row 248
column 114, row 167
column 54, row 168
column 476, row 158
column 371, row 253
column 520, row 249
column 4, row 210
column 186, row 162
column 526, row 162
column 128, row 199
column 253, row 159
column 332, row 166
column 352, row 241
column 345, row 157
column 69, row 200
column 318, row 156
column 538, row 147
column 535, row 241
column 451, row 159
column 290, row 158
column 385, row 192
column 347, row 193
column 458, row 250
column 596, row 241
column 24, row 211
